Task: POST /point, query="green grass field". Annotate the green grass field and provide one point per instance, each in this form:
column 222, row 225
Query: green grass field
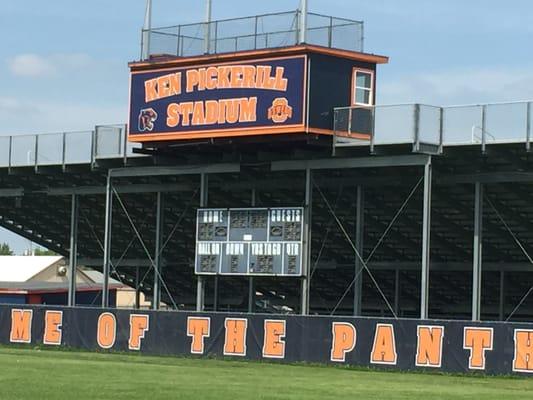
column 39, row 374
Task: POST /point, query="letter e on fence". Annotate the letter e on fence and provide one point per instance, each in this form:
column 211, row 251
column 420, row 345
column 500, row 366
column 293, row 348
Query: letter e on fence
column 273, row 343
column 53, row 322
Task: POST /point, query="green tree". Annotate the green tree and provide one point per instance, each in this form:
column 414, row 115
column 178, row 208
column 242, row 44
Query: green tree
column 44, row 252
column 5, row 250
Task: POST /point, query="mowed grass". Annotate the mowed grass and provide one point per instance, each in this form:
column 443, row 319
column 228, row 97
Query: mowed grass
column 41, row 374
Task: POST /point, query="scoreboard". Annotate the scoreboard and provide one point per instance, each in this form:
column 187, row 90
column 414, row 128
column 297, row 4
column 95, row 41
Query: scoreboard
column 249, row 241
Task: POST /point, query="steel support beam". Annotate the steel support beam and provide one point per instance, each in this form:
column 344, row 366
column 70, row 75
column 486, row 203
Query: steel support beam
column 397, row 292
column 94, row 190
column 137, row 288
column 251, row 285
column 307, row 242
column 359, row 232
column 356, row 162
column 159, row 223
column 501, row 308
column 73, row 251
column 426, row 233
column 107, row 241
column 200, row 285
column 478, row 252
column 182, row 170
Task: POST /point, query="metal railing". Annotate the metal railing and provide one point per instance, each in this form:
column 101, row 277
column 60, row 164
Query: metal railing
column 251, row 33
column 421, row 124
column 65, row 148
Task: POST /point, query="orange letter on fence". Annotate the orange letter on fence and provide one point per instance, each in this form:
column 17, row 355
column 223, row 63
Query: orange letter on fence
column 384, row 348
column 53, row 321
column 273, row 344
column 198, row 328
column 235, row 343
column 107, row 330
column 477, row 340
column 139, row 324
column 21, row 326
column 344, row 337
column 523, row 350
column 429, row 346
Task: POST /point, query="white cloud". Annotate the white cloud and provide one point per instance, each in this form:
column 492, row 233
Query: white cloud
column 37, row 66
column 459, row 86
column 30, row 65
column 30, row 117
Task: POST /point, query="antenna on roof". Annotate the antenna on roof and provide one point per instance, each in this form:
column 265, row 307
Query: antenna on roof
column 146, row 30
column 303, row 21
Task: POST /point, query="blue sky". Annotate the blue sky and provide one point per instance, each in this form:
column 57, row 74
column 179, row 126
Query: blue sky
column 63, row 64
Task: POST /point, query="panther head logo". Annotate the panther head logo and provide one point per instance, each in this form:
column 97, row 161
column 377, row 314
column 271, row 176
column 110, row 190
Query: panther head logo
column 280, row 110
column 147, row 117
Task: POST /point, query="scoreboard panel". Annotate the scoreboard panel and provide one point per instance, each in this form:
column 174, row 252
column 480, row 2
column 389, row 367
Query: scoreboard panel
column 249, row 241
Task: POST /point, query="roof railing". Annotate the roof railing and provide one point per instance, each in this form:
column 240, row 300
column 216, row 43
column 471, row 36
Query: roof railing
column 251, row 33
column 431, row 127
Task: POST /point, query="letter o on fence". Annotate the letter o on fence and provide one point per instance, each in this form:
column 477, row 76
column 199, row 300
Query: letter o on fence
column 107, row 330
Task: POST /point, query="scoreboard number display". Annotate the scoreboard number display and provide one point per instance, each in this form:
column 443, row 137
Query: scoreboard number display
column 249, row 241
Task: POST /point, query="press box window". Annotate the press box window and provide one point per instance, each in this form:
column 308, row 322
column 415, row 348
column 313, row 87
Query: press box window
column 363, row 82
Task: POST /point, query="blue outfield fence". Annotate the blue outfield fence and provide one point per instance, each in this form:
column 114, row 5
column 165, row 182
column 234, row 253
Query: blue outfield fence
column 402, row 344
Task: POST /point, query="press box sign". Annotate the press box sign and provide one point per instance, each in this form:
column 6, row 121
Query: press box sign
column 250, row 97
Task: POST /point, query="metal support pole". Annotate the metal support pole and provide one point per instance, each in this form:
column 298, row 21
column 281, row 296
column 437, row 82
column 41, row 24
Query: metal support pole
column 107, row 240
column 502, row 296
column 528, row 126
column 416, row 127
column 207, row 37
column 146, row 30
column 359, row 230
column 397, row 291
column 137, row 288
column 200, row 286
column 483, row 128
column 159, row 223
column 73, row 256
column 306, row 255
column 303, row 21
column 251, row 286
column 426, row 233
column 478, row 253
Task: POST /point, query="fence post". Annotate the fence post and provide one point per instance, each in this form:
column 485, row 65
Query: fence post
column 441, row 128
column 528, row 126
column 64, row 157
column 93, row 147
column 255, row 33
column 10, row 152
column 216, row 36
column 483, row 137
column 416, row 128
column 36, row 158
column 124, row 134
column 179, row 41
column 373, row 130
column 330, row 31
